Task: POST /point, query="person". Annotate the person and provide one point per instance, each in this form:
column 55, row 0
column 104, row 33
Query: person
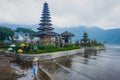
column 35, row 67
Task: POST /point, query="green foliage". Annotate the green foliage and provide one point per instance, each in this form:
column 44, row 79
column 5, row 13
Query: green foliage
column 46, row 47
column 68, row 45
column 77, row 43
column 51, row 48
column 4, row 45
column 17, row 47
column 56, row 50
column 30, row 52
column 6, row 32
column 100, row 44
column 97, row 44
column 25, row 30
column 41, row 49
column 60, row 49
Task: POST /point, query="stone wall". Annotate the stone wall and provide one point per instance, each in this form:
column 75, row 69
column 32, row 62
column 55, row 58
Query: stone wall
column 45, row 56
column 7, row 53
column 30, row 57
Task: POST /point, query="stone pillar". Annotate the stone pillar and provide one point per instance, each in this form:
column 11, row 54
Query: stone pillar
column 56, row 41
column 60, row 41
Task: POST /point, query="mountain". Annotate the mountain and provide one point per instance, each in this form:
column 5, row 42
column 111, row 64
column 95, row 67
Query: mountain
column 14, row 26
column 110, row 36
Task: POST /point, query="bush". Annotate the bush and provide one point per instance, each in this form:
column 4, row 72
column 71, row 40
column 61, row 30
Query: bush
column 47, row 47
column 98, row 44
column 4, row 45
column 30, row 52
column 58, row 49
column 68, row 45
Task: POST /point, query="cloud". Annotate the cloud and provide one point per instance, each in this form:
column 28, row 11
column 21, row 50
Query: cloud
column 64, row 13
column 20, row 12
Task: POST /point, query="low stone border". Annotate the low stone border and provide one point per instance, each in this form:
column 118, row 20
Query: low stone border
column 30, row 57
column 45, row 56
column 7, row 53
column 97, row 48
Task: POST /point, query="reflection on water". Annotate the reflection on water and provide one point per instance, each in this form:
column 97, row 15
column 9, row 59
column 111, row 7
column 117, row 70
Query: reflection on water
column 50, row 66
column 92, row 65
column 87, row 54
column 65, row 61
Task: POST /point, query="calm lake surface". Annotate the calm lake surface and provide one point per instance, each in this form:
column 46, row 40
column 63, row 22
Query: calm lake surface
column 93, row 65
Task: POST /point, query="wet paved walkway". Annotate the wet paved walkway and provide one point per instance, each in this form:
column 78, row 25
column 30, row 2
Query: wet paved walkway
column 93, row 65
column 101, row 65
column 6, row 71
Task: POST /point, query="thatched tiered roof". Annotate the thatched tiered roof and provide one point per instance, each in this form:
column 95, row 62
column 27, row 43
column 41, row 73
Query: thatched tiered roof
column 45, row 23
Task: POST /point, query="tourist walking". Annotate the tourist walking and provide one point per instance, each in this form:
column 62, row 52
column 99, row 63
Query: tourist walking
column 35, row 68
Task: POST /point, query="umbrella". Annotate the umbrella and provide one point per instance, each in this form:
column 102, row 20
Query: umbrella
column 22, row 45
column 10, row 49
column 20, row 51
column 12, row 45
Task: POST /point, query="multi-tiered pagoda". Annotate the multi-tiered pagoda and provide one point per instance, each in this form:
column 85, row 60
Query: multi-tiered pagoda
column 45, row 32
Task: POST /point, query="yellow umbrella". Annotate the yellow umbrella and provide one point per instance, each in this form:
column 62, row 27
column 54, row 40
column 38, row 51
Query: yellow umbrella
column 20, row 51
column 22, row 45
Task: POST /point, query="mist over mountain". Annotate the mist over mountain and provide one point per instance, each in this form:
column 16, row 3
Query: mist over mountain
column 110, row 36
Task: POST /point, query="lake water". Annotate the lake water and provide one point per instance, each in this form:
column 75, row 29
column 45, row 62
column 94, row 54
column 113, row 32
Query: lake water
column 93, row 65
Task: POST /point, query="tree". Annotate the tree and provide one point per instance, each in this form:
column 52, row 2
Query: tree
column 26, row 33
column 6, row 32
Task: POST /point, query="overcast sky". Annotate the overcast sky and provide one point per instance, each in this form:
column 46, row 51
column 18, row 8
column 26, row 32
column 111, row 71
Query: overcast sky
column 64, row 13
